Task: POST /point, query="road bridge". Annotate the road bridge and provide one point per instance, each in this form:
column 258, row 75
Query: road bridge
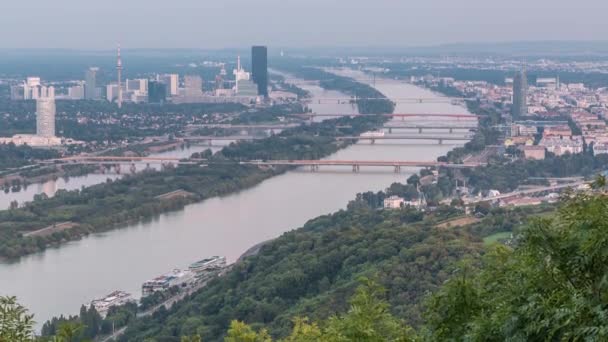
column 373, row 139
column 421, row 128
column 399, row 115
column 260, row 126
column 356, row 164
column 314, row 164
column 412, row 100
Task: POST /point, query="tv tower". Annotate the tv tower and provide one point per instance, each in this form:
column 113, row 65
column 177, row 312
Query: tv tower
column 119, row 71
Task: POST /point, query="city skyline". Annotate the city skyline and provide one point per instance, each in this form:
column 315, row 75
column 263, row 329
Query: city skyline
column 187, row 23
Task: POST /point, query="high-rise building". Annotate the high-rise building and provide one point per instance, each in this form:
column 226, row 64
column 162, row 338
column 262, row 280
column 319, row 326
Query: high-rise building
column 31, row 88
column 45, row 113
column 76, row 92
column 157, row 92
column 520, row 95
column 90, row 89
column 112, row 92
column 172, row 83
column 193, row 85
column 137, row 85
column 259, row 69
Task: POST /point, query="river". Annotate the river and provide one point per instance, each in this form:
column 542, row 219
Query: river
column 50, row 187
column 59, row 280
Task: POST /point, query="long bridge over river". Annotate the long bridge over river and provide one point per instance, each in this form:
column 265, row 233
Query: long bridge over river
column 313, row 164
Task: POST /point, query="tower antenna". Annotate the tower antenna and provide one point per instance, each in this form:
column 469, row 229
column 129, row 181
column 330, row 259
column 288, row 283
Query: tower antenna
column 119, row 76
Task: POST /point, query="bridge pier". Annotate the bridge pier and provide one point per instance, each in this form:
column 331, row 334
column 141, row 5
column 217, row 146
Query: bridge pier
column 133, row 169
column 373, row 141
column 117, row 168
column 355, row 168
column 390, row 130
column 420, row 130
column 451, row 130
column 397, row 168
column 314, row 168
column 440, row 141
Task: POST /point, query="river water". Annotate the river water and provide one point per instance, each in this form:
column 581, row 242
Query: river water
column 59, row 280
column 50, row 187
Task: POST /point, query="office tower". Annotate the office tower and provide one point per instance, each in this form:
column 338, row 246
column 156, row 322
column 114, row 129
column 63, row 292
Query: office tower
column 45, row 113
column 90, row 89
column 112, row 92
column 157, row 92
column 172, row 83
column 137, row 85
column 520, row 94
column 259, row 69
column 193, row 85
column 76, row 92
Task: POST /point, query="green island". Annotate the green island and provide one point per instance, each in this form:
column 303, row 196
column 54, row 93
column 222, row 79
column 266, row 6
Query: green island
column 365, row 274
column 70, row 215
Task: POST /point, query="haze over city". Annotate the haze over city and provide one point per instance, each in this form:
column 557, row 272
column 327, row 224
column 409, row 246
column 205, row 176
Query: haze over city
column 81, row 24
column 311, row 170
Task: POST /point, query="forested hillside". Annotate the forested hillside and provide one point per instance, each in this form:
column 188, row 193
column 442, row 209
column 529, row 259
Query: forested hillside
column 314, row 270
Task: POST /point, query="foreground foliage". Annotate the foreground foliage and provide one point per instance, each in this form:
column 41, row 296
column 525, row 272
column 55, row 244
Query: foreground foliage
column 552, row 287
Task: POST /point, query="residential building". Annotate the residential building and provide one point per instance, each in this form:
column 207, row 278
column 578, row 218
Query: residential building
column 193, row 86
column 45, row 113
column 90, row 91
column 393, row 202
column 533, row 152
column 520, row 95
column 172, row 84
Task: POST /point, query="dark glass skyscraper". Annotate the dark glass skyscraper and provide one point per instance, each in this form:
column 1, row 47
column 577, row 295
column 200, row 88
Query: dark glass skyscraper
column 157, row 92
column 520, row 95
column 259, row 69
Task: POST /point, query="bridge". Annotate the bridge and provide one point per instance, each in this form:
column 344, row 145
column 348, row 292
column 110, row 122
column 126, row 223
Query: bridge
column 413, row 100
column 401, row 115
column 260, row 126
column 356, row 164
column 210, row 138
column 420, row 128
column 390, row 127
column 313, row 164
column 373, row 139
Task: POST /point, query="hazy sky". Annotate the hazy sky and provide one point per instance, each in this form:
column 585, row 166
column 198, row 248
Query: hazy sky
column 84, row 24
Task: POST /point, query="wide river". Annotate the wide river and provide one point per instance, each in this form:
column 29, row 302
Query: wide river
column 59, row 280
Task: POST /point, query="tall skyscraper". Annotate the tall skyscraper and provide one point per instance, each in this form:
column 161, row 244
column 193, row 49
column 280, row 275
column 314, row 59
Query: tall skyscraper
column 193, row 85
column 520, row 95
column 157, row 92
column 90, row 89
column 259, row 69
column 172, row 82
column 45, row 113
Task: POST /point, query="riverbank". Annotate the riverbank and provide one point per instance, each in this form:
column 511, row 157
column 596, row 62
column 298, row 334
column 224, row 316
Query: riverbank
column 133, row 198
column 227, row 225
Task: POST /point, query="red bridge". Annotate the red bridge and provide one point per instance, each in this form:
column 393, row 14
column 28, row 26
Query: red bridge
column 418, row 115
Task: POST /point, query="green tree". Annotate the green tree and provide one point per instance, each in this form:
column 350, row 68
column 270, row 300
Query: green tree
column 241, row 332
column 368, row 319
column 304, row 331
column 15, row 323
column 552, row 287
